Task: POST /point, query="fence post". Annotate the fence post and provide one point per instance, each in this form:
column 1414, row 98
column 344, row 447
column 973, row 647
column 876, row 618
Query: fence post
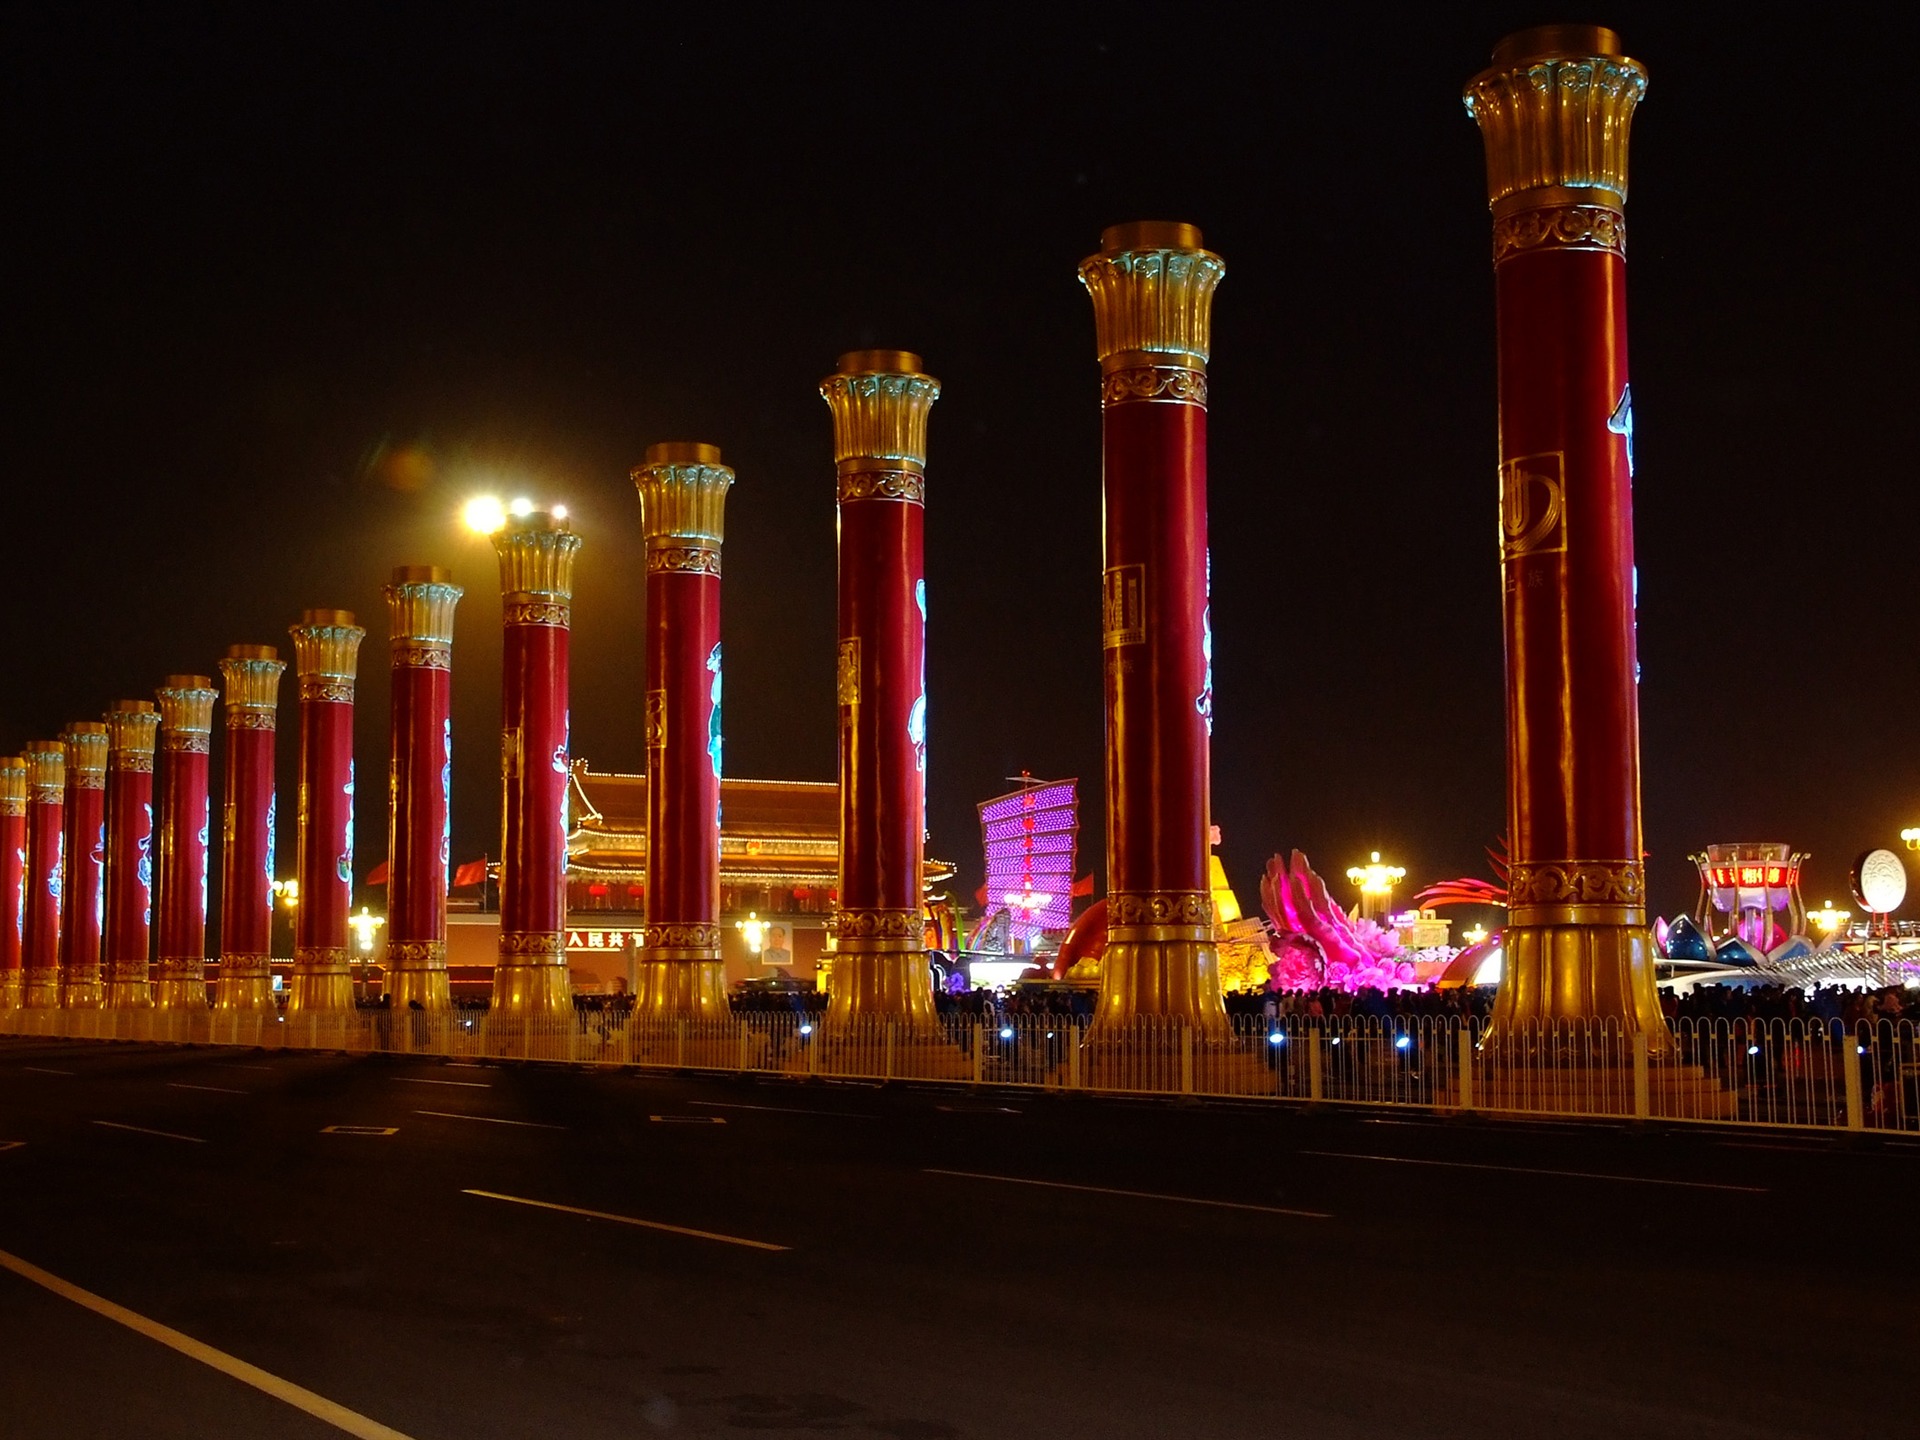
column 979, row 1049
column 1463, row 1046
column 680, row 1044
column 1186, row 1058
column 1073, row 1052
column 746, row 1038
column 813, row 1049
column 1856, row 1101
column 1315, row 1081
column 887, row 1072
column 1642, row 1088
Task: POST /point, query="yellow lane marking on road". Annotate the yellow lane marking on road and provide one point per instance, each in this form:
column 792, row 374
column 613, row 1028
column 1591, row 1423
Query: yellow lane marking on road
column 686, row 1120
column 216, row 1089
column 463, row 1084
column 298, row 1396
column 627, row 1220
column 142, row 1130
column 379, row 1130
column 11, row 1144
column 1532, row 1170
column 490, row 1120
column 782, row 1110
column 1136, row 1194
column 43, row 1070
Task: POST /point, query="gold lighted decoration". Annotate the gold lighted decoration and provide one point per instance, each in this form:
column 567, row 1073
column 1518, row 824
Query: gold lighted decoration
column 13, row 785
column 87, row 745
column 186, row 713
column 420, row 606
column 250, row 675
column 326, row 654
column 880, row 401
column 683, row 500
column 133, row 731
column 1152, row 286
column 536, row 553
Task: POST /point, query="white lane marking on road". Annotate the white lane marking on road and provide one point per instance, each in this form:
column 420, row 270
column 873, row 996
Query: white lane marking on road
column 628, row 1220
column 142, row 1130
column 463, row 1084
column 216, row 1089
column 298, row 1396
column 490, row 1120
column 1532, row 1170
column 43, row 1070
column 783, row 1109
column 464, row 1065
column 1136, row 1194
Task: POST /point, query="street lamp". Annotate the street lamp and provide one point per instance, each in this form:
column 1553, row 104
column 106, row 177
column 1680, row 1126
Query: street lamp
column 1475, row 935
column 366, row 926
column 753, row 930
column 1828, row 920
column 1375, row 882
column 484, row 514
column 1912, row 837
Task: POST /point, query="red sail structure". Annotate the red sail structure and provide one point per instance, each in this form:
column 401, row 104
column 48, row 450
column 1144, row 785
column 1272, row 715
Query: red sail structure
column 1030, row 837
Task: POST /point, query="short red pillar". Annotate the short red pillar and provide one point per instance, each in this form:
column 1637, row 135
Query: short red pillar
column 46, row 819
column 133, row 726
column 250, row 675
column 326, row 650
column 186, row 740
column 83, row 883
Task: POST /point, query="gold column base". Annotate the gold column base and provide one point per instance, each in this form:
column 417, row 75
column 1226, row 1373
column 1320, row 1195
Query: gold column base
column 417, row 971
column 12, row 989
column 180, row 984
column 531, row 978
column 1578, row 972
column 1161, row 978
column 685, row 988
column 41, row 989
column 82, row 989
column 128, row 990
column 321, row 982
column 890, row 984
column 245, row 983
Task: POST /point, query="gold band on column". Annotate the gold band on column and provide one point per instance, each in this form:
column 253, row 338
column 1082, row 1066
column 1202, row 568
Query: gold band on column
column 186, row 714
column 13, row 785
column 326, row 654
column 420, row 609
column 133, row 732
column 250, row 677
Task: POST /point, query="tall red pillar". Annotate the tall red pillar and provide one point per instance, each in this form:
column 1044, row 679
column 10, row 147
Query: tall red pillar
column 250, row 677
column 420, row 605
column 186, row 740
column 536, row 554
column 133, row 726
column 13, row 879
column 880, row 401
column 1554, row 111
column 46, row 820
column 83, row 882
column 683, row 492
column 326, row 651
column 1152, row 287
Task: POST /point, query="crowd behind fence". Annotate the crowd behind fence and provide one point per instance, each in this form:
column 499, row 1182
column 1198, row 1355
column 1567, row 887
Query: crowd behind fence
column 1861, row 1075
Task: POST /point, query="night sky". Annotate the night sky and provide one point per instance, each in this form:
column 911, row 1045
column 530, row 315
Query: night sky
column 286, row 285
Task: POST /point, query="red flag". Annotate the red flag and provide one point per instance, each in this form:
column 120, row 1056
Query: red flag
column 379, row 875
column 474, row 872
column 981, row 896
column 1083, row 886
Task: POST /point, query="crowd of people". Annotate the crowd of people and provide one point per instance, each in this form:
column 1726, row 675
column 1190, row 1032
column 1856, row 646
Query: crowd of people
column 1776, row 1002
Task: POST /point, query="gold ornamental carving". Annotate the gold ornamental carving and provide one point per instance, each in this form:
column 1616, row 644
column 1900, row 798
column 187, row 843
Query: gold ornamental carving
column 847, row 678
column 1159, row 384
column 1184, row 908
column 682, row 559
column 251, row 681
column 416, row 954
column 87, row 748
column 1560, row 227
column 656, row 720
column 311, row 958
column 46, row 762
column 186, row 713
column 133, row 729
column 1152, row 287
column 326, row 689
column 421, row 655
column 1576, row 882
column 536, row 555
column 420, row 605
column 683, row 495
column 682, row 936
column 13, row 785
column 521, row 610
column 880, row 401
column 326, row 647
column 532, row 945
column 1555, row 109
column 906, row 486
column 877, row 924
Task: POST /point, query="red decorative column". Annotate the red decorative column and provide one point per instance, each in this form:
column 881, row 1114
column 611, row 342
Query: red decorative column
column 13, row 879
column 683, row 493
column 880, row 401
column 536, row 585
column 133, row 726
column 83, row 886
column 1554, row 111
column 251, row 678
column 186, row 739
column 326, row 651
column 46, row 819
column 420, row 604
column 1152, row 287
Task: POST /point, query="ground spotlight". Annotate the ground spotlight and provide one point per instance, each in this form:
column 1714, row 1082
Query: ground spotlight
column 1403, row 1042
column 1274, row 1037
column 1006, row 1032
column 806, row 1029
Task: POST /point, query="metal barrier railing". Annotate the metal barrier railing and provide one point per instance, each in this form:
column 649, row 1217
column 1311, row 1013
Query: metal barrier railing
column 1801, row 1073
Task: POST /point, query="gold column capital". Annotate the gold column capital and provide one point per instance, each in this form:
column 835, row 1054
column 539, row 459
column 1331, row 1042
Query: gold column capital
column 326, row 654
column 186, row 712
column 420, row 605
column 880, row 400
column 1152, row 287
column 683, row 499
column 87, row 744
column 133, row 727
column 251, row 678
column 1554, row 110
column 46, row 762
column 536, row 553
column 13, row 785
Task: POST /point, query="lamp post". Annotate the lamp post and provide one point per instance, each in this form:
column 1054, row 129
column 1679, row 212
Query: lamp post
column 133, row 728
column 326, row 650
column 250, row 675
column 186, row 740
column 1376, row 883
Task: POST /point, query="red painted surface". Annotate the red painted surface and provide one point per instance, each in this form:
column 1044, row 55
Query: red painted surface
column 1572, row 703
column 683, row 791
column 83, row 891
column 1155, row 459
column 246, row 886
column 13, row 894
column 882, row 776
column 184, row 818
column 129, row 929
column 533, row 830
column 325, row 866
column 41, row 940
column 417, row 838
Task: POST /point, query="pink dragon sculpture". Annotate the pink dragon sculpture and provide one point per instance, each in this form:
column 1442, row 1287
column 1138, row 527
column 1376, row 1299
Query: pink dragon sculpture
column 1315, row 943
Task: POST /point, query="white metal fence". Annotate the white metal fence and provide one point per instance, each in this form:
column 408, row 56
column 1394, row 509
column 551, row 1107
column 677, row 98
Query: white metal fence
column 1767, row 1072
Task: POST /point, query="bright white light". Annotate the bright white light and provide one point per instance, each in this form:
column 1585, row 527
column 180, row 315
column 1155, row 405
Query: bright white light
column 520, row 505
column 806, row 1029
column 559, row 512
column 1403, row 1042
column 1274, row 1037
column 1006, row 1032
column 484, row 514
column 1753, row 1049
column 1336, row 1039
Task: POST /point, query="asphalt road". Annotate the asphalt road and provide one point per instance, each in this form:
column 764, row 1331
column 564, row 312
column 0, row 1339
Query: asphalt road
column 910, row 1263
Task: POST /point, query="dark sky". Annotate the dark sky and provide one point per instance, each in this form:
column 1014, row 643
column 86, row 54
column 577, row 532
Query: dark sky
column 286, row 284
